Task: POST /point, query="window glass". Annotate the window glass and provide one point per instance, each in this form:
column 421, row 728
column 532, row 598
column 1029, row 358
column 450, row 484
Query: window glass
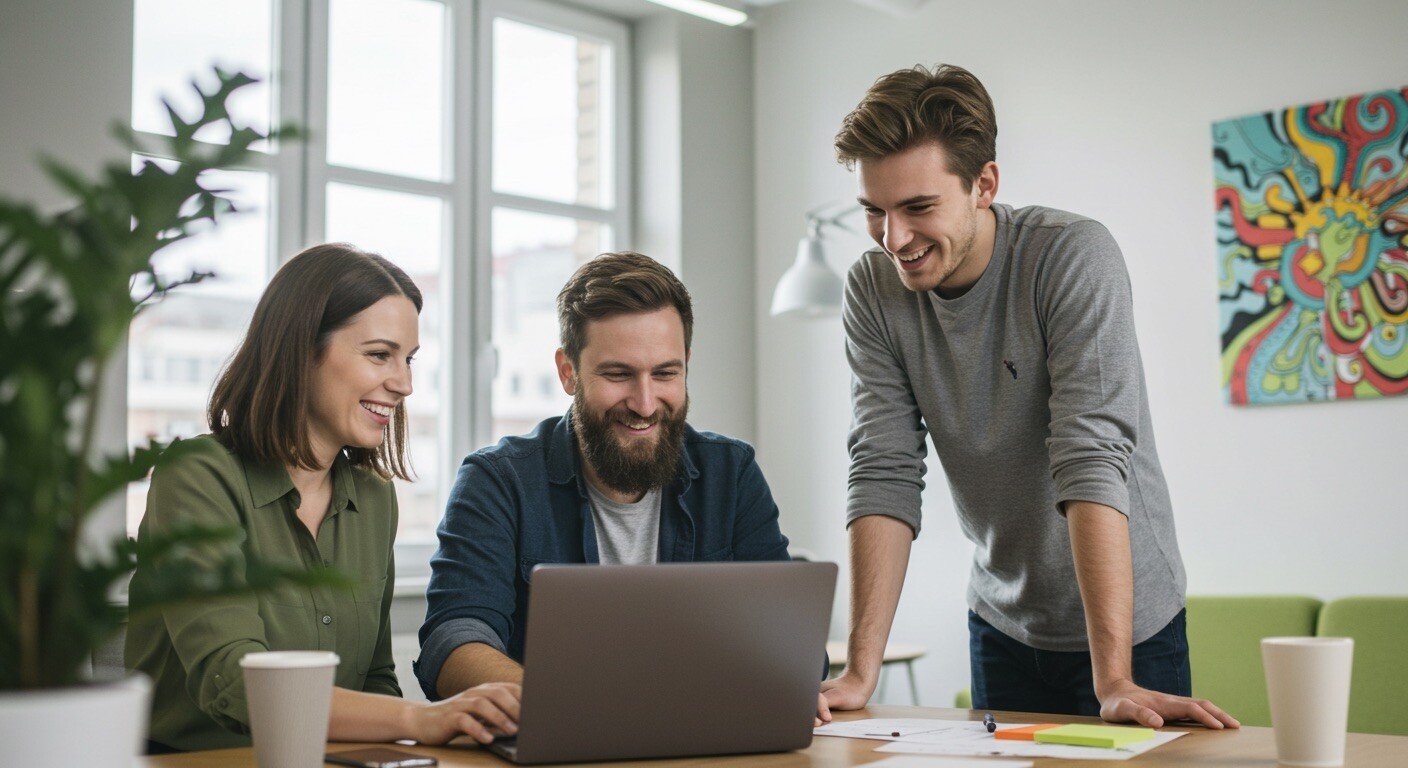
column 409, row 230
column 553, row 115
column 177, row 346
column 175, row 41
column 387, row 86
column 534, row 255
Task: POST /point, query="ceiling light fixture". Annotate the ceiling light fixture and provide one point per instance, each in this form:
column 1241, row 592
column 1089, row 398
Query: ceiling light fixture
column 722, row 11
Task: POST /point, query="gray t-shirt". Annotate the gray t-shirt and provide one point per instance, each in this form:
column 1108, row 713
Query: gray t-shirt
column 626, row 534
column 1031, row 388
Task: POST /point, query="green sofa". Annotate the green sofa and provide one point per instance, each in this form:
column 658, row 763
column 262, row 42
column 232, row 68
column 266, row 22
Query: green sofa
column 1378, row 687
column 1224, row 647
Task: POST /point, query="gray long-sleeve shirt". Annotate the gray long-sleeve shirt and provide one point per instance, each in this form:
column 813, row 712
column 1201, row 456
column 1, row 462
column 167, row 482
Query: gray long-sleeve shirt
column 1031, row 388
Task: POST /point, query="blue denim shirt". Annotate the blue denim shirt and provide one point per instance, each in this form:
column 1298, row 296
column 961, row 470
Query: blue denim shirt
column 524, row 502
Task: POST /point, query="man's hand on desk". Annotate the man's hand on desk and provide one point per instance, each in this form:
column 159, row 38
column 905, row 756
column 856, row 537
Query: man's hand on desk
column 1126, row 702
column 477, row 712
column 848, row 691
column 823, row 712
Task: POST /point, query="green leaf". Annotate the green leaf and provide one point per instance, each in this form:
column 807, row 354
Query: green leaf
column 67, row 178
column 117, row 471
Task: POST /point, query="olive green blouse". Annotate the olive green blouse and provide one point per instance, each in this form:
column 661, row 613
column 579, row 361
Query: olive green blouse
column 192, row 650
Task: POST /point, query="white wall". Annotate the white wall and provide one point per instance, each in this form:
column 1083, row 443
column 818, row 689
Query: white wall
column 65, row 76
column 1104, row 109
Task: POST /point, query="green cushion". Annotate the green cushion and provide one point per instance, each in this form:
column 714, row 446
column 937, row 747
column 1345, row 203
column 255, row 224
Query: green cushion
column 963, row 699
column 1378, row 689
column 1224, row 647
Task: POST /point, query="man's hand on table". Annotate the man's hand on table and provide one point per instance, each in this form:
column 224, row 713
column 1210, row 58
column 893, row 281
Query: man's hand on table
column 848, row 691
column 1126, row 702
column 823, row 712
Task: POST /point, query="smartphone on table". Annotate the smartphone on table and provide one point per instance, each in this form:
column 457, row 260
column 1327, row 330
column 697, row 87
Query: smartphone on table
column 379, row 757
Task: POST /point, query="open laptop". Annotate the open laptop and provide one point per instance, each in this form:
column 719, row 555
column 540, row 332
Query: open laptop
column 671, row 660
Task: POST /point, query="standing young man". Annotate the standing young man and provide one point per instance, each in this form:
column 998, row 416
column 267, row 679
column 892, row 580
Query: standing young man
column 1008, row 335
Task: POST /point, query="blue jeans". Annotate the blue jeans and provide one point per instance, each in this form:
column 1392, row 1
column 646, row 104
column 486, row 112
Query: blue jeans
column 1008, row 675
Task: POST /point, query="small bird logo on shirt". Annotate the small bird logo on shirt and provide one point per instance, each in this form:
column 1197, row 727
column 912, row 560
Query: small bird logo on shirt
column 1012, row 369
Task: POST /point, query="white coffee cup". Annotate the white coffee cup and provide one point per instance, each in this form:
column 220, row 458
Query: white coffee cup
column 1307, row 684
column 290, row 693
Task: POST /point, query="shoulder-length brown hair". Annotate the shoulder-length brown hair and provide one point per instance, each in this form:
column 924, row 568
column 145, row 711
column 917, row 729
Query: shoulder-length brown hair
column 260, row 404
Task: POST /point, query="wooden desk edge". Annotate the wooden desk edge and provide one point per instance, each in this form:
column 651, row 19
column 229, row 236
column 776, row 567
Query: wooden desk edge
column 1247, row 746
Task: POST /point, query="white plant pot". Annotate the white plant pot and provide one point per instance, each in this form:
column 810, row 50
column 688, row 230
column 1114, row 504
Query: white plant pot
column 96, row 725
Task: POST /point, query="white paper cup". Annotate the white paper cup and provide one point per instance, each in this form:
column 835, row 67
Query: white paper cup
column 1307, row 684
column 290, row 693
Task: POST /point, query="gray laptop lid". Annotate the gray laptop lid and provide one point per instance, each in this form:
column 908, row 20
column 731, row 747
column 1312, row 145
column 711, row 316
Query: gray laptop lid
column 672, row 660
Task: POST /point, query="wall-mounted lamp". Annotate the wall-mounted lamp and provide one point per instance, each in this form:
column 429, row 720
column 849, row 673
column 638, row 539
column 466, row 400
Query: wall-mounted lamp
column 728, row 12
column 810, row 288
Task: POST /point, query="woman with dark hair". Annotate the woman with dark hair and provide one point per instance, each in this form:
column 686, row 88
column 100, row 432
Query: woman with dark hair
column 308, row 428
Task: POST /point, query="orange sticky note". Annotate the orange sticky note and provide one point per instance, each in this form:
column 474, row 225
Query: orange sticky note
column 1025, row 733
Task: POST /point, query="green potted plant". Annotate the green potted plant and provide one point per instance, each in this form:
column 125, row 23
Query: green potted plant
column 67, row 285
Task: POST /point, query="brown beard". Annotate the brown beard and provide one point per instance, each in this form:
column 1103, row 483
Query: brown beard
column 622, row 469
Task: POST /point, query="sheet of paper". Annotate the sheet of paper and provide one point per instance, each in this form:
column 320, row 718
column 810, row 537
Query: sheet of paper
column 969, row 738
column 963, row 737
column 916, row 761
column 880, row 728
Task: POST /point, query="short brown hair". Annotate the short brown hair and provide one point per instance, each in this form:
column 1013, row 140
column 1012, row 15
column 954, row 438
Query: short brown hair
column 260, row 405
column 615, row 284
column 947, row 104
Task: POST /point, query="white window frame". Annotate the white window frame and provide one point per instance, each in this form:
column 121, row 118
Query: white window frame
column 299, row 173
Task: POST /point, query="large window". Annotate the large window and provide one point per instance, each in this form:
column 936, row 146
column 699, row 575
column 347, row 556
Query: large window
column 479, row 145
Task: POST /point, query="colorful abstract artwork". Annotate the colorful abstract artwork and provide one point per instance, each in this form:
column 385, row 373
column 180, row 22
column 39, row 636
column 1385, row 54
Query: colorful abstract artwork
column 1312, row 226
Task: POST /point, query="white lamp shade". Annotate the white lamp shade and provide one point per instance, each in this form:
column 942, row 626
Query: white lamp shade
column 809, row 287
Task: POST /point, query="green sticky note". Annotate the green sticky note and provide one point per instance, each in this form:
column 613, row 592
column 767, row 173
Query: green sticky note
column 1095, row 735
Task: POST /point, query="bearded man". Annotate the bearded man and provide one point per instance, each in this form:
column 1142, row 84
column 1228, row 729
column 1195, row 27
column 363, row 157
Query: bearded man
column 621, row 479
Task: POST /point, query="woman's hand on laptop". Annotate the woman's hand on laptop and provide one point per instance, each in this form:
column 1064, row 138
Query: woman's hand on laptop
column 482, row 712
